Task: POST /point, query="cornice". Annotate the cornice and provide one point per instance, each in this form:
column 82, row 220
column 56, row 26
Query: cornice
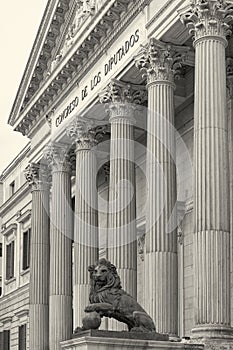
column 13, row 200
column 7, row 230
column 62, row 79
column 160, row 12
column 42, row 49
column 22, row 155
column 23, row 217
column 12, row 296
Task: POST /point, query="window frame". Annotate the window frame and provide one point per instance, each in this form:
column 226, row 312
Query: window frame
column 26, row 249
column 10, row 261
column 22, row 336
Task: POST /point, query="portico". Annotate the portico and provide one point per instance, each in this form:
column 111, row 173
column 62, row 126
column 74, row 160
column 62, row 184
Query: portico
column 126, row 88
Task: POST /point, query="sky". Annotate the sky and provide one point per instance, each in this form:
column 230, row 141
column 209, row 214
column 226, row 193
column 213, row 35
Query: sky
column 19, row 22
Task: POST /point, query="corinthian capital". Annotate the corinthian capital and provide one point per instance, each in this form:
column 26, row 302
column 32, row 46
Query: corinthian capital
column 57, row 157
column 37, row 176
column 208, row 18
column 121, row 98
column 119, row 92
column 160, row 61
column 83, row 134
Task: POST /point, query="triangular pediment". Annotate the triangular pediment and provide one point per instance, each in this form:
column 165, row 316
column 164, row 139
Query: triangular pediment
column 59, row 27
column 70, row 33
column 51, row 39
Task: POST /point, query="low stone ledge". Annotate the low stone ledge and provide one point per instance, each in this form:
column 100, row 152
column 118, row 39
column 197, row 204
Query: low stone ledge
column 106, row 340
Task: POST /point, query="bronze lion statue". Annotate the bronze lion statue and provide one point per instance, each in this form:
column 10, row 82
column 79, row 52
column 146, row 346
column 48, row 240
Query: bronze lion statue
column 107, row 298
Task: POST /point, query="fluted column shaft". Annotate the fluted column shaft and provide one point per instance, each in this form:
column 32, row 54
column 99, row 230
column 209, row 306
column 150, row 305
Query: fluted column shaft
column 86, row 216
column 211, row 170
column 122, row 248
column 161, row 241
column 60, row 295
column 161, row 63
column 230, row 142
column 211, row 191
column 121, row 99
column 39, row 260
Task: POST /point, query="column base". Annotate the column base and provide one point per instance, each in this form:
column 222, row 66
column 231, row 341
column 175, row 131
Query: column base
column 213, row 337
column 212, row 332
column 105, row 340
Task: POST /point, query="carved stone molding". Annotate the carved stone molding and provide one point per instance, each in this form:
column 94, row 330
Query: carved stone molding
column 57, row 156
column 37, row 176
column 208, row 18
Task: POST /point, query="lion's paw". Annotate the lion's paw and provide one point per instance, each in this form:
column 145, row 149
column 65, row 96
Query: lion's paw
column 90, row 308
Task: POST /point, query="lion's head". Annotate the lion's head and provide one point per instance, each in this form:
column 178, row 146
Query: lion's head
column 103, row 277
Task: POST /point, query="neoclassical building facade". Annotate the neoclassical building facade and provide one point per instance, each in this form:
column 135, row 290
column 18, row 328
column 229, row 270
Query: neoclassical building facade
column 128, row 109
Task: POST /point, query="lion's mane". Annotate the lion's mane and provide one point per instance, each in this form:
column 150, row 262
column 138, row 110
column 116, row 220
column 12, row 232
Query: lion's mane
column 99, row 294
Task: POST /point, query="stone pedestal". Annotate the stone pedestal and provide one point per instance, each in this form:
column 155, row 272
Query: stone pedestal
column 106, row 340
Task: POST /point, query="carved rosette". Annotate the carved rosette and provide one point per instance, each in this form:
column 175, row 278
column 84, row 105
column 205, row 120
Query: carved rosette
column 37, row 176
column 160, row 62
column 208, row 18
column 229, row 74
column 82, row 134
column 58, row 158
column 141, row 246
column 121, row 99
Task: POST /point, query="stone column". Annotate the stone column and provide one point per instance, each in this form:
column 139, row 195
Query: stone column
column 86, row 218
column 230, row 142
column 208, row 23
column 160, row 63
column 36, row 176
column 60, row 296
column 122, row 241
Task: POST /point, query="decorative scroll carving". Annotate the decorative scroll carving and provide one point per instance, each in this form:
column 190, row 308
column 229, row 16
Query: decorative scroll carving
column 208, row 18
column 160, row 61
column 37, row 176
column 57, row 157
